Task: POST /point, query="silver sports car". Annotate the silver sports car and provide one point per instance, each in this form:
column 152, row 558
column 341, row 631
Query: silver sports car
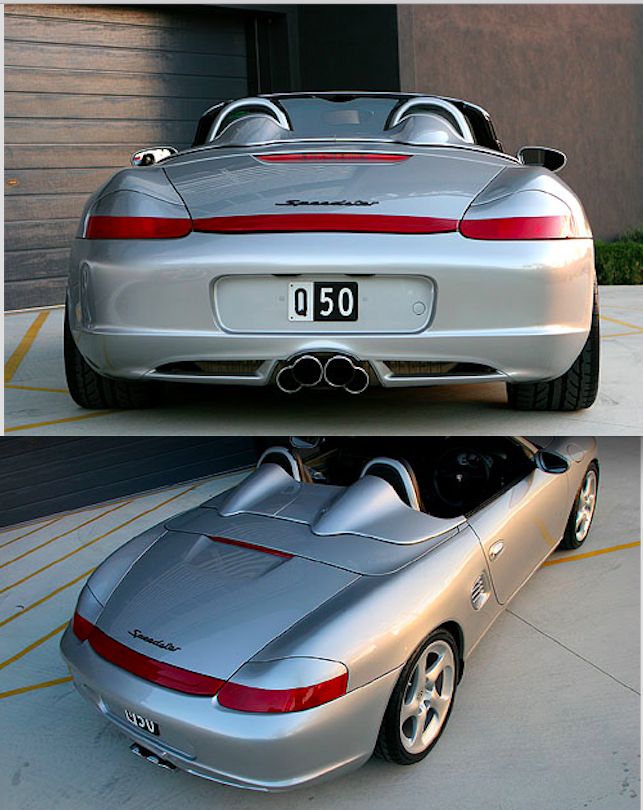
column 338, row 240
column 322, row 610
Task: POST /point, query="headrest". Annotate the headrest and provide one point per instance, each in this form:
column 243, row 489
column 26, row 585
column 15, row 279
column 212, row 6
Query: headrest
column 288, row 460
column 399, row 474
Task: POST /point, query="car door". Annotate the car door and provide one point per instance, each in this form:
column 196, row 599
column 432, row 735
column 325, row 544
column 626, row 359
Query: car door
column 521, row 527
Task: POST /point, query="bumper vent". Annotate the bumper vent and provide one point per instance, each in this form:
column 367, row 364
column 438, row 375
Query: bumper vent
column 413, row 368
column 214, row 368
column 479, row 592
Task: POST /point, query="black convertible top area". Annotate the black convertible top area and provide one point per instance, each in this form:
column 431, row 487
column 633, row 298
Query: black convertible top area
column 347, row 114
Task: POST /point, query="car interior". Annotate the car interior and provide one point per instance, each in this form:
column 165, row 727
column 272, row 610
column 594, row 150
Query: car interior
column 442, row 476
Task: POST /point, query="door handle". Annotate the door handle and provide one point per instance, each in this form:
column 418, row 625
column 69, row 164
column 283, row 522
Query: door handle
column 496, row 549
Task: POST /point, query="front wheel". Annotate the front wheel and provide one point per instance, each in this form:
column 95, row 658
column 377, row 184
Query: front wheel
column 582, row 514
column 421, row 702
column 89, row 389
column 574, row 390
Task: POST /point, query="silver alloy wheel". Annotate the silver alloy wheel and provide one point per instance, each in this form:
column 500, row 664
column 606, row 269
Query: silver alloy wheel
column 427, row 698
column 586, row 505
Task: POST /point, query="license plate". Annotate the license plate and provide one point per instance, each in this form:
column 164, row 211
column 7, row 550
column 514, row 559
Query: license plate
column 322, row 301
column 144, row 723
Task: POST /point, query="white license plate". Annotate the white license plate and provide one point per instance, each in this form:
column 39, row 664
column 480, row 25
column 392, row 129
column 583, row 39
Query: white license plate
column 144, row 723
column 322, row 301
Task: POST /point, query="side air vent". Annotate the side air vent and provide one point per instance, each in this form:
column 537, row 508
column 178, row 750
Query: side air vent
column 479, row 592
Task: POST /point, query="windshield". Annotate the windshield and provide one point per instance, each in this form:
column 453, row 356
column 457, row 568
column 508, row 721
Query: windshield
column 340, row 117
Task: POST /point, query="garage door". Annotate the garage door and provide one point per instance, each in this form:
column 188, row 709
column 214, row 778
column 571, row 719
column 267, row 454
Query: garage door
column 85, row 86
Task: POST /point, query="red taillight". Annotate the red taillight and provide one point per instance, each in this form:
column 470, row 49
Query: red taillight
column 251, row 699
column 149, row 669
column 81, row 627
column 102, row 227
column 331, row 223
column 251, row 546
column 325, row 157
column 549, row 227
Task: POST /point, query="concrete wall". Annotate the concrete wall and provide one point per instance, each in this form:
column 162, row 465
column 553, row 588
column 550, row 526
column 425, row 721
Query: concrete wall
column 568, row 76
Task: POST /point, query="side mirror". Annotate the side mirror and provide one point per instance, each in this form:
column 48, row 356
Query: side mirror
column 550, row 462
column 147, row 157
column 551, row 159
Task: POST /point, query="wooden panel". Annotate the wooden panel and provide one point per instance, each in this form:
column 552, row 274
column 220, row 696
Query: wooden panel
column 35, row 264
column 50, row 475
column 36, row 207
column 69, row 105
column 122, row 35
column 85, row 86
column 50, row 181
column 122, row 59
column 138, row 133
column 42, row 80
column 35, row 292
column 51, row 233
column 173, row 17
column 55, row 156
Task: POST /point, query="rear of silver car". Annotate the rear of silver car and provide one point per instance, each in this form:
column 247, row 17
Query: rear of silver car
column 412, row 308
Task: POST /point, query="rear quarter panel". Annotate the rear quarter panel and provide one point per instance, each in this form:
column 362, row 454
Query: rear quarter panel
column 376, row 623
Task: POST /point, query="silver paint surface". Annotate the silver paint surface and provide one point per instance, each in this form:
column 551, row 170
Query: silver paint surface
column 363, row 601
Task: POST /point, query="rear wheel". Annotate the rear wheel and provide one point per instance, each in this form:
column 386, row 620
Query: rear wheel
column 582, row 514
column 421, row 702
column 89, row 389
column 574, row 390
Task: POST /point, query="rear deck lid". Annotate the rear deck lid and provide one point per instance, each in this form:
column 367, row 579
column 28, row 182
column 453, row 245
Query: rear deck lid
column 437, row 183
column 208, row 606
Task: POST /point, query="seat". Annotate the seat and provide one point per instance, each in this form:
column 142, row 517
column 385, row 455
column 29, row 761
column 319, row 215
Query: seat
column 288, row 460
column 399, row 474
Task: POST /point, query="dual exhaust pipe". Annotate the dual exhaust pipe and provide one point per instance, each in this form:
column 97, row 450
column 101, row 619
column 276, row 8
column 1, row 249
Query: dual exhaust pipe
column 308, row 371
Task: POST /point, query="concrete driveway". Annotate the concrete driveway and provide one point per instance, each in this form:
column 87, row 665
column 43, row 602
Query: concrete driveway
column 547, row 715
column 37, row 402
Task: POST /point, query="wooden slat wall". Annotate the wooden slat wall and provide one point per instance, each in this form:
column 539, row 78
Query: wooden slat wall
column 46, row 475
column 85, row 86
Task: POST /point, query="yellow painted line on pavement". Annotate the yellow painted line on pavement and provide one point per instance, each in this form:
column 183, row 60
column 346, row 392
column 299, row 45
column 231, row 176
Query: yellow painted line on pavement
column 33, row 646
column 36, row 388
column 33, row 531
column 21, row 690
column 621, row 334
column 574, row 557
column 96, row 539
column 64, row 534
column 11, row 366
column 621, row 323
column 48, row 596
column 58, row 421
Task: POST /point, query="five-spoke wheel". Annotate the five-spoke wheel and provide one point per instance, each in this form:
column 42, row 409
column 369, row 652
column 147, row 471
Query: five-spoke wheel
column 582, row 514
column 421, row 701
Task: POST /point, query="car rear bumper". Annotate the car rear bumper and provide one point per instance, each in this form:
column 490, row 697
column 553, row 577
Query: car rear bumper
column 515, row 311
column 269, row 752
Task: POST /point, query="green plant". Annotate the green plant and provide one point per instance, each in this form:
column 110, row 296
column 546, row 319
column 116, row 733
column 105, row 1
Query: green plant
column 620, row 261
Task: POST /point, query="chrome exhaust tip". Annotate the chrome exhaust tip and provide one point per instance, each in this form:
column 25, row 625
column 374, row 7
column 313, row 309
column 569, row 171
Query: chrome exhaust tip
column 358, row 382
column 307, row 371
column 286, row 381
column 150, row 756
column 339, row 371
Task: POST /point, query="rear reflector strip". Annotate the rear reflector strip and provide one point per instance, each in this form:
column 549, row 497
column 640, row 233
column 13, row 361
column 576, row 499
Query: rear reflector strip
column 326, row 157
column 271, row 701
column 550, row 227
column 102, row 227
column 81, row 627
column 251, row 546
column 177, row 678
column 348, row 223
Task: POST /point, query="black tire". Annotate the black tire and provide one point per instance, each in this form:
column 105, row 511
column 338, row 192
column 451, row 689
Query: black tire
column 389, row 744
column 570, row 538
column 91, row 390
column 574, row 390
